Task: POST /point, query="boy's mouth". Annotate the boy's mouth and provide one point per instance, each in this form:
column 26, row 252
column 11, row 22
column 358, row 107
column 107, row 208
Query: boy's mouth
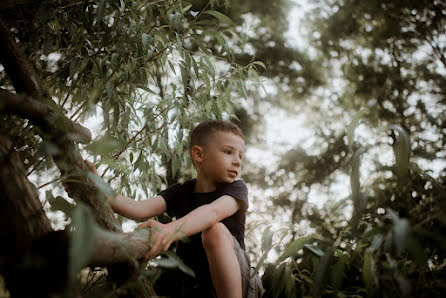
column 233, row 173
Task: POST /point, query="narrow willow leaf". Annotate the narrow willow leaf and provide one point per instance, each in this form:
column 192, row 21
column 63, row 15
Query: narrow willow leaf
column 355, row 173
column 82, row 240
column 337, row 272
column 314, row 249
column 401, row 230
column 259, row 63
column 221, row 17
column 352, row 127
column 60, row 204
column 74, row 63
column 101, row 185
column 185, row 9
column 100, row 12
column 175, row 164
column 321, row 272
column 367, row 273
column 243, row 87
column 294, row 247
column 104, row 145
column 217, row 36
column 401, row 149
column 259, row 264
column 179, row 44
column 267, row 239
column 173, row 261
column 122, row 9
column 145, row 38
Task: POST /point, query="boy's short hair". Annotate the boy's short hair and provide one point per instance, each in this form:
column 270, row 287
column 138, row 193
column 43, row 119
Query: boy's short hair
column 201, row 133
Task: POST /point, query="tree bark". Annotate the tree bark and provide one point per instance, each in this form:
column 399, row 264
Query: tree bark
column 70, row 164
column 20, row 206
column 42, row 115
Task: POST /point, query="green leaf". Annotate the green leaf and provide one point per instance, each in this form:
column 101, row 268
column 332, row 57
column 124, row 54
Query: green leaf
column 145, row 38
column 173, row 261
column 367, row 273
column 294, row 247
column 101, row 185
column 314, row 249
column 259, row 264
column 337, row 272
column 401, row 230
column 186, row 8
column 179, row 44
column 321, row 272
column 401, row 150
column 175, row 164
column 74, row 63
column 243, row 87
column 259, row 63
column 221, row 17
column 267, row 239
column 100, row 12
column 82, row 242
column 60, row 204
column 104, row 145
column 352, row 127
column 355, row 173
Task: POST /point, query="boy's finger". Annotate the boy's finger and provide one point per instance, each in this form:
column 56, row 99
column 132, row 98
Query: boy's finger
column 146, row 224
column 91, row 167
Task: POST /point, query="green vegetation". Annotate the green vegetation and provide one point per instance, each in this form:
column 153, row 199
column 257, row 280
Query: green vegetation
column 370, row 81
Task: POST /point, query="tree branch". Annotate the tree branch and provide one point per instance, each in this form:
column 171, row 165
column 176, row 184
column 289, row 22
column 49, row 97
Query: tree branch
column 20, row 209
column 42, row 115
column 70, row 162
column 112, row 248
column 16, row 64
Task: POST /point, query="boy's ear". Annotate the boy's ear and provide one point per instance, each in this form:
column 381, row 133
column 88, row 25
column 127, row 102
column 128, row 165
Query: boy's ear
column 197, row 153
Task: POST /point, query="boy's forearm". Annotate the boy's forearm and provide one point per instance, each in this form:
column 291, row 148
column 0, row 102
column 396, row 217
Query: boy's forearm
column 137, row 210
column 122, row 205
column 204, row 217
column 194, row 222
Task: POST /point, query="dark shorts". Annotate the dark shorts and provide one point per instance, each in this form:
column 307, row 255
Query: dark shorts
column 251, row 287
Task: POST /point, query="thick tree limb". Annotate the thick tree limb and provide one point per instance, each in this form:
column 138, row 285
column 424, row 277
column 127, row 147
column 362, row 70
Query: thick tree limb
column 43, row 116
column 112, row 248
column 16, row 64
column 27, row 235
column 69, row 162
column 23, row 218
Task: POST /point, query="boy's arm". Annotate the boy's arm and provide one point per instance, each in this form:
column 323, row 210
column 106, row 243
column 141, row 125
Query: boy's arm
column 130, row 208
column 192, row 223
column 137, row 210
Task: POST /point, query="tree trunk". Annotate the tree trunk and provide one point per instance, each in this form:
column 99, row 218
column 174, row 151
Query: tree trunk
column 35, row 254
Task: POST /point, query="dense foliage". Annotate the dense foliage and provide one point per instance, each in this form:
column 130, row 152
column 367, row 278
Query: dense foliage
column 387, row 66
column 370, row 81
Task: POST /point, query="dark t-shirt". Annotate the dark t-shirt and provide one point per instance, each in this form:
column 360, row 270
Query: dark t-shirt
column 181, row 199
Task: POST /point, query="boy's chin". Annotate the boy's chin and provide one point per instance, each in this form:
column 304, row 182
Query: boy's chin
column 229, row 179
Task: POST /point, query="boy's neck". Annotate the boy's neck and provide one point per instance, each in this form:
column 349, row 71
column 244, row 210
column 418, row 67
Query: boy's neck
column 203, row 185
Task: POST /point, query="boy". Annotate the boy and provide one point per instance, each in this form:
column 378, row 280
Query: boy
column 210, row 210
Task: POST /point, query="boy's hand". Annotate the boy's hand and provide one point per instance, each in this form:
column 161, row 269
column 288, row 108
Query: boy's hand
column 161, row 237
column 91, row 167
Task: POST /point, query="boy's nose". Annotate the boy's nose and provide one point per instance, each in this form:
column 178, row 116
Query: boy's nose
column 237, row 161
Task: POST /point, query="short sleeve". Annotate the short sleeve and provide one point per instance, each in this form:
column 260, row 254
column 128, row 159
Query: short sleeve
column 169, row 195
column 239, row 191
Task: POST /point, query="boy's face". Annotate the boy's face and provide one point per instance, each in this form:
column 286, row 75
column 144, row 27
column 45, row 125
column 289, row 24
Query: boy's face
column 221, row 158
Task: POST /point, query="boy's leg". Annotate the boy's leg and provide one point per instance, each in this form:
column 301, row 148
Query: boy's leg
column 223, row 263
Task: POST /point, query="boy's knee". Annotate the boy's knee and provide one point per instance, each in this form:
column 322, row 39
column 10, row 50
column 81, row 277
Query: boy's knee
column 216, row 236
